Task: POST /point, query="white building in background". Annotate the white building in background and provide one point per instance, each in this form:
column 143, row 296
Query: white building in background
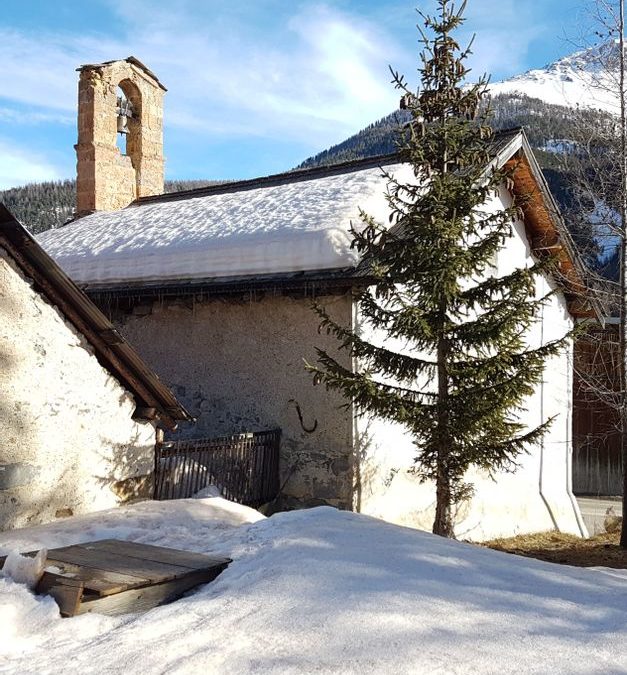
column 214, row 286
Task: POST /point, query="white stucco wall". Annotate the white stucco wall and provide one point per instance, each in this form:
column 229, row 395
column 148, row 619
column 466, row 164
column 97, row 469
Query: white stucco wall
column 537, row 497
column 238, row 365
column 68, row 441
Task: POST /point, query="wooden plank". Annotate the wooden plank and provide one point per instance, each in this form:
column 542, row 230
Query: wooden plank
column 115, row 577
column 159, row 554
column 66, row 592
column 101, row 582
column 147, row 570
column 142, row 599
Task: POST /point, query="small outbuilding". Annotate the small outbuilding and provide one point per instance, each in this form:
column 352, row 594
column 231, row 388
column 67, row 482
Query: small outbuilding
column 79, row 409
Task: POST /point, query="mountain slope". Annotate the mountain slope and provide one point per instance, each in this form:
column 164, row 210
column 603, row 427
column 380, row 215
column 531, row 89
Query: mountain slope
column 539, row 100
column 587, row 78
column 551, row 129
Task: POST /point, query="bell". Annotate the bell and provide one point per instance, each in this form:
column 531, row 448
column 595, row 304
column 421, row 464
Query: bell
column 122, row 124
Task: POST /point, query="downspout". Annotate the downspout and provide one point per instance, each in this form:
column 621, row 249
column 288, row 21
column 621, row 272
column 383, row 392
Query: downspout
column 569, row 491
column 544, row 499
column 355, row 435
column 583, row 530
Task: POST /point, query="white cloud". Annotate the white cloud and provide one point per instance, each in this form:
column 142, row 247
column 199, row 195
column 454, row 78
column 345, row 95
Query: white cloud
column 316, row 76
column 16, row 117
column 18, row 167
column 309, row 74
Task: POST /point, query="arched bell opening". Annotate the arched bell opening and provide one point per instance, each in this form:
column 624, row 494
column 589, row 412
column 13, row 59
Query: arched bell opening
column 124, row 113
column 129, row 121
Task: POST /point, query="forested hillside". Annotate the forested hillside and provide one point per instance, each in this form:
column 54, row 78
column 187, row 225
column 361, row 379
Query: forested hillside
column 548, row 127
column 41, row 206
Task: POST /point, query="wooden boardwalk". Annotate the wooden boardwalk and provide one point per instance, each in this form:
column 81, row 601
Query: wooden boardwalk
column 116, row 577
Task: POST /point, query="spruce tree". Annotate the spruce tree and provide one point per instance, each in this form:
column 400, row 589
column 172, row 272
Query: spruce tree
column 461, row 380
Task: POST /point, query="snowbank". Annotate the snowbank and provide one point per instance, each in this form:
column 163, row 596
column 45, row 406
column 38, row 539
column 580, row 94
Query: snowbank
column 298, row 225
column 324, row 591
column 24, row 569
column 195, row 524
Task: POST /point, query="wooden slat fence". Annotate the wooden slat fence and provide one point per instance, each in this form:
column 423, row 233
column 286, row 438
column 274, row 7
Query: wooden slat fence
column 597, row 466
column 245, row 467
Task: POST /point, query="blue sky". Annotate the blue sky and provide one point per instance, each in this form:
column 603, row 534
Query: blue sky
column 254, row 86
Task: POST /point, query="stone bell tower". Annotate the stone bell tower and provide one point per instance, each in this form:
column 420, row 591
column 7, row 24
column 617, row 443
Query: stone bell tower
column 118, row 100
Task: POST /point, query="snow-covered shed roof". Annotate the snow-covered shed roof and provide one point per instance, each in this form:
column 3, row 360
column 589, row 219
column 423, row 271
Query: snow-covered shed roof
column 295, row 223
column 153, row 399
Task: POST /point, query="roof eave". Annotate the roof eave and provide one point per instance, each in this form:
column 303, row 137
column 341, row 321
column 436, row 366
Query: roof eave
column 311, row 283
column 546, row 230
column 111, row 350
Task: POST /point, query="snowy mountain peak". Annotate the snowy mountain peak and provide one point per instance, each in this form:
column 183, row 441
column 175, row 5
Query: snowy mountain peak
column 587, row 78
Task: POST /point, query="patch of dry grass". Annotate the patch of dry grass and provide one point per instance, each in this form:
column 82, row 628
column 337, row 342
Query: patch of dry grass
column 601, row 550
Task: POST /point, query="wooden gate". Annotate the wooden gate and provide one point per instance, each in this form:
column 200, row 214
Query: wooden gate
column 244, row 467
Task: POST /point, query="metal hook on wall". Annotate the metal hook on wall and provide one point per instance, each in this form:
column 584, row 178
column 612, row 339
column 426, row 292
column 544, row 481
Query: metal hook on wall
column 300, row 418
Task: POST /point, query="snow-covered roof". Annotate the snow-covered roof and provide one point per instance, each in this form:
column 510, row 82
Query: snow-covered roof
column 293, row 227
column 293, row 222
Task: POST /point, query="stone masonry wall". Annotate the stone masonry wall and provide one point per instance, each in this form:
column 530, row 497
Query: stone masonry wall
column 106, row 179
column 239, row 366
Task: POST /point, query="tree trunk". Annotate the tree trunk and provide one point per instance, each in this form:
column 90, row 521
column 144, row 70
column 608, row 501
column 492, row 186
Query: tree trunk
column 443, row 523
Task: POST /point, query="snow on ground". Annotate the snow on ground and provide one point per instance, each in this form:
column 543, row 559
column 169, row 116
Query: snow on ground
column 296, row 225
column 322, row 591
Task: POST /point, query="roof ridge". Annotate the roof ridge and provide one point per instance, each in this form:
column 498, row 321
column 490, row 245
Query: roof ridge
column 292, row 176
